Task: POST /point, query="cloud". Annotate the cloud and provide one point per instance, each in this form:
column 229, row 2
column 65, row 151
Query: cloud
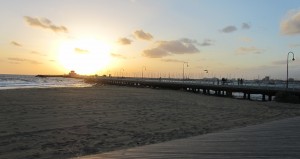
column 140, row 34
column 118, row 56
column 229, row 29
column 37, row 53
column 81, row 51
column 125, row 41
column 246, row 26
column 45, row 24
column 166, row 48
column 172, row 60
column 12, row 59
column 248, row 50
column 15, row 44
column 178, row 46
column 291, row 24
column 156, row 53
column 186, row 40
column 206, row 42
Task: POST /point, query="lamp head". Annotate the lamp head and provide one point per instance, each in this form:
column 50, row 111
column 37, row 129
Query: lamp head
column 293, row 59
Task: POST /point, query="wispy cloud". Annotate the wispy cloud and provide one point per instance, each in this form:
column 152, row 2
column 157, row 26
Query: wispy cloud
column 15, row 44
column 140, row 34
column 166, row 48
column 118, row 56
column 291, row 24
column 37, row 53
column 15, row 59
column 124, row 41
column 206, row 42
column 232, row 28
column 172, row 60
column 81, row 51
column 155, row 53
column 248, row 50
column 246, row 26
column 44, row 23
column 229, row 29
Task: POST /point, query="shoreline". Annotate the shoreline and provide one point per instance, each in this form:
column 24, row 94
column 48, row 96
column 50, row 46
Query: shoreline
column 70, row 122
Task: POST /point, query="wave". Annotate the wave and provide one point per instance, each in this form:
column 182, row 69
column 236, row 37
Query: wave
column 29, row 81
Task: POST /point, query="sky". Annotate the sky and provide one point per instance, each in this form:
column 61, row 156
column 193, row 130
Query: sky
column 247, row 39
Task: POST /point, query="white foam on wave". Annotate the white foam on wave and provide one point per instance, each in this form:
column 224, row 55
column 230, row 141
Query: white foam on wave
column 28, row 81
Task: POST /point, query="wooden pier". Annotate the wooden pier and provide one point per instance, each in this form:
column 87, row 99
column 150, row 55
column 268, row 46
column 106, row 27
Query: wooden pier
column 198, row 87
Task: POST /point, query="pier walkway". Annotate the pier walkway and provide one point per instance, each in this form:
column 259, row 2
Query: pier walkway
column 273, row 140
column 218, row 89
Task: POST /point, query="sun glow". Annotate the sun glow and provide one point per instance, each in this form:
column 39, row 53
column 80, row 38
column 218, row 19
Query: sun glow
column 85, row 56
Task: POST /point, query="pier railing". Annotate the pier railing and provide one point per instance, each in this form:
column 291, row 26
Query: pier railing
column 203, row 86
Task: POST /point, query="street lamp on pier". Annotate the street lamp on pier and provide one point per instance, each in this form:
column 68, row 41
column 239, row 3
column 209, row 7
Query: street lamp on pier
column 143, row 68
column 122, row 72
column 187, row 65
column 287, row 69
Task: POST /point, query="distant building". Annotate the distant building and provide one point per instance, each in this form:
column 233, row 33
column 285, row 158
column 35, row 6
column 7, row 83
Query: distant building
column 291, row 79
column 72, row 73
column 267, row 78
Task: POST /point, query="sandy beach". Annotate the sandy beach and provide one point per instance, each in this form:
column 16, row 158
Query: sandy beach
column 70, row 122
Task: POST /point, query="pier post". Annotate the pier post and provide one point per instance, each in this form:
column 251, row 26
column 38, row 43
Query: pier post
column 249, row 96
column 270, row 97
column 228, row 94
column 263, row 97
column 244, row 95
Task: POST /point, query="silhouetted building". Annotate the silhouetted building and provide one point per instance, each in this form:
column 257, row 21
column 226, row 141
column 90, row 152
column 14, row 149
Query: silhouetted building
column 267, row 78
column 72, row 73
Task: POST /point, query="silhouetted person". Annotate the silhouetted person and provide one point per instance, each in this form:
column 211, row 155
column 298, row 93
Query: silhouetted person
column 223, row 81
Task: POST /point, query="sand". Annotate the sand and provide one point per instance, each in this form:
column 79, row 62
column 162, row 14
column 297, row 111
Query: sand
column 70, row 122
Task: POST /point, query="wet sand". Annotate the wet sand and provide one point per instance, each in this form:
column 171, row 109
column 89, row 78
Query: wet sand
column 70, row 122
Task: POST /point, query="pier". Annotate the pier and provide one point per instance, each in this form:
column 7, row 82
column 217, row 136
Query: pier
column 266, row 92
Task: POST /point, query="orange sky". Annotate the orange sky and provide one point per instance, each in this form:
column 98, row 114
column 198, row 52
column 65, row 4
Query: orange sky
column 123, row 37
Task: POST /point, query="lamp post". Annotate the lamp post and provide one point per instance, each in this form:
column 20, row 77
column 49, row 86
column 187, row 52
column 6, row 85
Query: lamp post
column 143, row 68
column 122, row 72
column 287, row 69
column 187, row 65
column 206, row 71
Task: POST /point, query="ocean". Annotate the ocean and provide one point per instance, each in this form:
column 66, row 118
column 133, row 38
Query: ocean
column 30, row 81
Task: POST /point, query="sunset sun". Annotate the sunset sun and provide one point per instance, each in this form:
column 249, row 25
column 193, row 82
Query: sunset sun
column 85, row 56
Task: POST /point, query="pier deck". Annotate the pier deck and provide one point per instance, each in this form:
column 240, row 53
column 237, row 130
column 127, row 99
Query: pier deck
column 196, row 87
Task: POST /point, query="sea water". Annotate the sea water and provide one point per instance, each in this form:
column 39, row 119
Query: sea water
column 30, row 81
